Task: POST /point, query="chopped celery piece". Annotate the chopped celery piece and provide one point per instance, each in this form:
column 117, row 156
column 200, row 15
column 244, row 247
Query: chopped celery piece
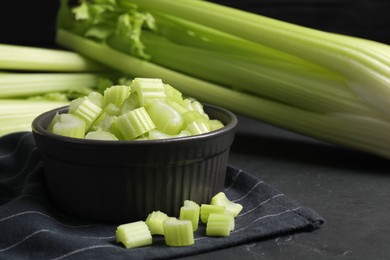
column 103, row 122
column 112, row 110
column 172, row 93
column 178, row 232
column 214, row 124
column 116, row 95
column 85, row 109
column 196, row 123
column 96, row 98
column 177, row 105
column 157, row 135
column 165, row 117
column 134, row 123
column 148, row 90
column 190, row 211
column 135, row 234
column 69, row 125
column 155, row 221
column 219, row 225
column 207, row 209
column 232, row 208
column 131, row 103
column 101, row 135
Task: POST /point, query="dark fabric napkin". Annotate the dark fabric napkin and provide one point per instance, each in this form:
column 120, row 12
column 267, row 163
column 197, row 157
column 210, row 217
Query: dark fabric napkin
column 31, row 227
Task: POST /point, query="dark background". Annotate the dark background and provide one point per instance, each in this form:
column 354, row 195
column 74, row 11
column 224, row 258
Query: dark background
column 350, row 189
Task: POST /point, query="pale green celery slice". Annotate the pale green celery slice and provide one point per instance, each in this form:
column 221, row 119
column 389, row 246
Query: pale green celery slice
column 219, row 225
column 190, row 211
column 214, row 124
column 172, row 93
column 195, row 122
column 53, row 121
column 69, row 125
column 134, row 123
column 155, row 222
column 135, row 234
column 16, row 85
column 85, row 109
column 155, row 134
column 148, row 90
column 96, row 98
column 131, row 103
column 207, row 209
column 165, row 117
column 178, row 232
column 116, row 95
column 103, row 122
column 101, row 135
column 177, row 105
column 16, row 57
column 112, row 110
column 232, row 208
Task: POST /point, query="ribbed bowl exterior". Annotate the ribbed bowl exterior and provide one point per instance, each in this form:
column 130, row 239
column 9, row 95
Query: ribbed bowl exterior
column 125, row 181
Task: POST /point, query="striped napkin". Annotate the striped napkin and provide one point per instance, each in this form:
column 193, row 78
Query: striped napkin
column 31, row 227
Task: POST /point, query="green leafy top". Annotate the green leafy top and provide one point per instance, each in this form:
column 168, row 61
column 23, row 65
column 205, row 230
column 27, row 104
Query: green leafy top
column 115, row 23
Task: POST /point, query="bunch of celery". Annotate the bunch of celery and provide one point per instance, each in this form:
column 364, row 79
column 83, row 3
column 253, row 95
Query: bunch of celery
column 34, row 80
column 332, row 87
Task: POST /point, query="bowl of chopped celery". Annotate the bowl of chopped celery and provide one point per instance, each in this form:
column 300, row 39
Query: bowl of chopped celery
column 119, row 155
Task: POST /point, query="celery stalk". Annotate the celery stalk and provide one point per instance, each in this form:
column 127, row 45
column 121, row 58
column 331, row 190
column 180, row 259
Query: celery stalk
column 190, row 211
column 348, row 131
column 14, row 57
column 219, row 225
column 16, row 85
column 17, row 114
column 155, row 222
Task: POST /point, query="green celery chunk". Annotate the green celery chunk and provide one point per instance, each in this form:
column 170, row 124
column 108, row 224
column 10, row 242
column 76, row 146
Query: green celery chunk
column 96, row 98
column 103, row 122
column 214, row 124
column 232, row 208
column 165, row 117
column 190, row 211
column 207, row 209
column 85, row 109
column 135, row 234
column 172, row 93
column 69, row 125
column 157, row 135
column 219, row 225
column 101, row 135
column 195, row 122
column 116, row 95
column 178, row 232
column 131, row 103
column 148, row 90
column 134, row 123
column 155, row 221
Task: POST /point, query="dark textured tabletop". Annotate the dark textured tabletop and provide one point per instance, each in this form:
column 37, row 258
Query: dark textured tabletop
column 350, row 189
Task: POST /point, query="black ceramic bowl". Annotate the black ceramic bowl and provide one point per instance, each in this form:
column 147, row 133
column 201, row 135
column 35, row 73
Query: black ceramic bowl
column 124, row 181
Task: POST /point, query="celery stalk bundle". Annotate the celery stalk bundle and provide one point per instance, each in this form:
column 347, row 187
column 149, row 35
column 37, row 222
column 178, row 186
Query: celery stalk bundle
column 332, row 87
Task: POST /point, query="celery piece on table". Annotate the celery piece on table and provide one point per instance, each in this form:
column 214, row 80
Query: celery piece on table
column 207, row 209
column 219, row 225
column 134, row 234
column 178, row 232
column 190, row 211
column 232, row 208
column 155, row 222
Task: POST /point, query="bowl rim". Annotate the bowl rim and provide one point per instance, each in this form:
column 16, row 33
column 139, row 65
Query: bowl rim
column 37, row 128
